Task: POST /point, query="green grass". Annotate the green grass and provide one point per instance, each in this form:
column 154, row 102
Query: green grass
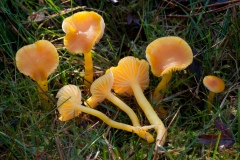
column 30, row 131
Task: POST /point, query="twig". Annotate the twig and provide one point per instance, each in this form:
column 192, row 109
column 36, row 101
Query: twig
column 15, row 29
column 174, row 95
column 208, row 6
column 110, row 149
column 197, row 14
column 156, row 148
column 58, row 148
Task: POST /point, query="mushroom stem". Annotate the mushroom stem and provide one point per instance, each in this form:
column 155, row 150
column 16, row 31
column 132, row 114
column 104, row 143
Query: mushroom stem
column 160, row 89
column 210, row 99
column 92, row 102
column 88, row 77
column 42, row 88
column 125, row 108
column 115, row 100
column 140, row 131
column 150, row 113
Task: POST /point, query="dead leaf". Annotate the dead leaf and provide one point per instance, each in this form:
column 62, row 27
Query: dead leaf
column 226, row 139
column 225, row 143
column 36, row 16
column 133, row 19
column 207, row 139
column 226, row 133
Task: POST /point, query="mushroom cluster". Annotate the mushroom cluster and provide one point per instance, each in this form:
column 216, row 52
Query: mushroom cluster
column 129, row 78
column 70, row 105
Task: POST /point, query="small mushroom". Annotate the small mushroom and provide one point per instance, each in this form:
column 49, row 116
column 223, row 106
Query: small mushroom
column 38, row 61
column 70, row 106
column 131, row 76
column 101, row 89
column 83, row 30
column 166, row 55
column 214, row 85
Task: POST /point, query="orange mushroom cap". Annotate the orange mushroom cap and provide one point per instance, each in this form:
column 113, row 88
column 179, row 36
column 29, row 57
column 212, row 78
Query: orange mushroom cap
column 100, row 88
column 69, row 98
column 83, row 30
column 130, row 70
column 37, row 60
column 168, row 54
column 214, row 84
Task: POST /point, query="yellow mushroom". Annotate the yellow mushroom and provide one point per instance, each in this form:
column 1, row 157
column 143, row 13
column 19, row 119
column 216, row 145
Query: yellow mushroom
column 83, row 30
column 166, row 55
column 214, row 85
column 70, row 106
column 131, row 76
column 101, row 89
column 38, row 61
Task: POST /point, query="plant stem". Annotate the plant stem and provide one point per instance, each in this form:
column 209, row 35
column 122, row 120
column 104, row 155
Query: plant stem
column 238, row 115
column 216, row 146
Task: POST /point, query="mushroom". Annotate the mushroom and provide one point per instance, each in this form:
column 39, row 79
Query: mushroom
column 131, row 76
column 38, row 61
column 101, row 89
column 70, row 106
column 83, row 30
column 214, row 85
column 166, row 55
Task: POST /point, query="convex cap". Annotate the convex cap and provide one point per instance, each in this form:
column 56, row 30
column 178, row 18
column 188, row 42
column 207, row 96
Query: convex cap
column 37, row 60
column 168, row 54
column 214, row 84
column 83, row 30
